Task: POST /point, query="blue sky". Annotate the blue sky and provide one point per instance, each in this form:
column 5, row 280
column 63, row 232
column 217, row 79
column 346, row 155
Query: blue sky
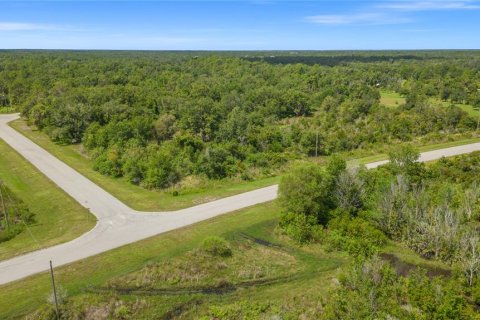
column 240, row 25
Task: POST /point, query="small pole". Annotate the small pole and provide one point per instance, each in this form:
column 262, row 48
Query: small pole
column 4, row 207
column 54, row 291
column 316, row 145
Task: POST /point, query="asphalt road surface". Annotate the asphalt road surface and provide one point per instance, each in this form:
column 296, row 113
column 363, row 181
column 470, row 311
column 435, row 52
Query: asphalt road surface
column 117, row 224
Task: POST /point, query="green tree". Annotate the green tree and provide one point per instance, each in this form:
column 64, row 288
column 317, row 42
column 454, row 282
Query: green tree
column 307, row 191
column 404, row 161
column 164, row 127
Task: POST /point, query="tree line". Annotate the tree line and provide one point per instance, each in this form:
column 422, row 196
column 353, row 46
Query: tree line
column 156, row 119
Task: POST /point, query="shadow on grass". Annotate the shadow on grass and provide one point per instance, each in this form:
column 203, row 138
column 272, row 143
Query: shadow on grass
column 219, row 289
column 403, row 268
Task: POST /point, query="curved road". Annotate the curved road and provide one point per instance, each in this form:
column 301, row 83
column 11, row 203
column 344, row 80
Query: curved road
column 118, row 224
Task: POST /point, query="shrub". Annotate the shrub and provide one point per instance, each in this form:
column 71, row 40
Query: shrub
column 6, row 235
column 216, row 246
column 355, row 236
column 307, row 191
column 301, row 228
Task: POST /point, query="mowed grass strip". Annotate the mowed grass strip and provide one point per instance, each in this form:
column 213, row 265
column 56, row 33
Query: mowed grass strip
column 58, row 217
column 136, row 197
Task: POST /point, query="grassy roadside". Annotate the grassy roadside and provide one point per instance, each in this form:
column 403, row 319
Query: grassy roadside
column 5, row 110
column 309, row 280
column 430, row 147
column 134, row 196
column 154, row 200
column 58, row 217
column 21, row 297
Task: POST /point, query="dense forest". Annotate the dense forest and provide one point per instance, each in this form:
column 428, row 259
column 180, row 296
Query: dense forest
column 158, row 117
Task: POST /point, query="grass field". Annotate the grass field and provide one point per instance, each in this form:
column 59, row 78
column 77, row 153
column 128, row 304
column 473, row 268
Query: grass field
column 391, row 99
column 58, row 217
column 313, row 265
column 132, row 195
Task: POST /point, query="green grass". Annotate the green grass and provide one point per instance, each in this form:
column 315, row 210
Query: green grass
column 410, row 257
column 311, row 277
column 132, row 195
column 150, row 200
column 307, row 280
column 154, row 200
column 391, row 99
column 58, row 217
column 314, row 266
column 465, row 107
column 5, row 110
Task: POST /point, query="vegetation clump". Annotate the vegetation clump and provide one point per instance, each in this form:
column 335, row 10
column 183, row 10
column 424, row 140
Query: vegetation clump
column 14, row 214
column 205, row 268
column 216, row 246
column 405, row 200
column 372, row 290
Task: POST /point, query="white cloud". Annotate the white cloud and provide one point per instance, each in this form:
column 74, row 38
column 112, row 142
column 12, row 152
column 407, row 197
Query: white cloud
column 392, row 12
column 357, row 18
column 20, row 26
column 431, row 5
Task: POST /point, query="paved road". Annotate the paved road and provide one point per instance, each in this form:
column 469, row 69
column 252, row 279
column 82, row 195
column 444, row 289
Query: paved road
column 118, row 224
column 437, row 154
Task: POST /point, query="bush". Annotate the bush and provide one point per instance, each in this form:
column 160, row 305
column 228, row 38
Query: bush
column 355, row 236
column 301, row 228
column 307, row 191
column 14, row 214
column 6, row 235
column 216, row 246
column 371, row 289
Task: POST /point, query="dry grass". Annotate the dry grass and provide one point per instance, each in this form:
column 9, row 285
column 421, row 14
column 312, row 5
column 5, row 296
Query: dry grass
column 198, row 269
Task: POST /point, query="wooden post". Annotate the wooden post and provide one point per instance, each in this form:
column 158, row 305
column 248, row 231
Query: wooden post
column 54, row 291
column 4, row 207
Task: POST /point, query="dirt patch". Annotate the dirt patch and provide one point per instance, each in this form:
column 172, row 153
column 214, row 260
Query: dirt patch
column 404, row 269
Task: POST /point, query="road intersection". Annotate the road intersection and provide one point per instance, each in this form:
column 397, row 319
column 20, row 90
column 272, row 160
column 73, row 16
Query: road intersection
column 117, row 224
